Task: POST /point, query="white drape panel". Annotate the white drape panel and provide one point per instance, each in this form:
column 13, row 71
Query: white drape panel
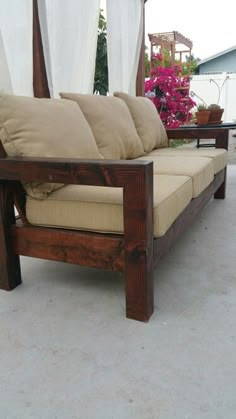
column 124, row 37
column 16, row 30
column 69, row 36
column 5, row 79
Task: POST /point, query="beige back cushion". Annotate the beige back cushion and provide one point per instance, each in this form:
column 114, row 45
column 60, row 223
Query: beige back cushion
column 32, row 127
column 147, row 121
column 112, row 125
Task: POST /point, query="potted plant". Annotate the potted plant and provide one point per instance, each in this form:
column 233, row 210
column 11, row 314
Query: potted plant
column 202, row 114
column 215, row 109
column 216, row 113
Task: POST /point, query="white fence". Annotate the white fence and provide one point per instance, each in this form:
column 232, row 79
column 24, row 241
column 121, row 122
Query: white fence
column 209, row 91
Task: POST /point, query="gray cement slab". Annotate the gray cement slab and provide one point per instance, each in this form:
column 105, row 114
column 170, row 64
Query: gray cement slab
column 68, row 352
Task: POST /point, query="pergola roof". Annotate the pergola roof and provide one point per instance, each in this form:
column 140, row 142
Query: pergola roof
column 170, row 37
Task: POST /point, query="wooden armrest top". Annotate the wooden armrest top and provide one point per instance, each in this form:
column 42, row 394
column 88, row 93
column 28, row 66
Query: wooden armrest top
column 196, row 132
column 73, row 171
column 220, row 134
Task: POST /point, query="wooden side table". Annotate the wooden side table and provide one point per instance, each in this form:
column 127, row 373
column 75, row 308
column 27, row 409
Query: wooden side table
column 219, row 133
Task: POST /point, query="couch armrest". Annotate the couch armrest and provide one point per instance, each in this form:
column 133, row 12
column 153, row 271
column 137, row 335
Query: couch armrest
column 220, row 134
column 135, row 177
column 116, row 173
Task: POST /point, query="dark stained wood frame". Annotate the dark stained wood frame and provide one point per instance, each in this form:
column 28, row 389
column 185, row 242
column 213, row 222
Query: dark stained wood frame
column 140, row 80
column 40, row 81
column 135, row 253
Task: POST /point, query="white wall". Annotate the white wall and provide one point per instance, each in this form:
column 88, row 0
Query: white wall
column 208, row 91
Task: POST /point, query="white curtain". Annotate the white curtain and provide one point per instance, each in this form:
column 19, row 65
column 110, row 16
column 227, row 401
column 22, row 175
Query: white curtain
column 5, row 79
column 124, row 38
column 69, row 36
column 16, row 30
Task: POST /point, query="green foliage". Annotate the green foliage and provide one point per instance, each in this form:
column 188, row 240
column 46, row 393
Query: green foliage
column 101, row 69
column 190, row 66
column 202, row 108
column 147, row 65
column 178, row 143
column 167, row 57
column 162, row 59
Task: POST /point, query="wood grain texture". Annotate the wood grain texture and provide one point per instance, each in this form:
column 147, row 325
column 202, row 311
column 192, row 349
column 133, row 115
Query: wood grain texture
column 140, row 79
column 40, row 82
column 138, row 233
column 222, row 139
column 221, row 191
column 219, row 134
column 73, row 171
column 103, row 251
column 19, row 196
column 10, row 275
column 135, row 252
column 136, row 179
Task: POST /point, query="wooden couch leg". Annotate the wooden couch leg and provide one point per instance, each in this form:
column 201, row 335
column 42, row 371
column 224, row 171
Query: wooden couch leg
column 220, row 193
column 139, row 291
column 10, row 275
column 138, row 244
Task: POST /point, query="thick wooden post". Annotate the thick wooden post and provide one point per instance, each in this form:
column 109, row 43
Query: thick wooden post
column 10, row 275
column 140, row 80
column 138, row 228
column 222, row 141
column 40, row 82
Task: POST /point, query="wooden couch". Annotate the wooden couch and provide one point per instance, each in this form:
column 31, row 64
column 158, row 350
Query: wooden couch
column 161, row 186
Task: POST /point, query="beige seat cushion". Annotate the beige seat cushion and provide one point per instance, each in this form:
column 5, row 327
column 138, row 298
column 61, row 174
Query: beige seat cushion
column 112, row 125
column 101, row 209
column 200, row 169
column 32, row 127
column 147, row 121
column 218, row 155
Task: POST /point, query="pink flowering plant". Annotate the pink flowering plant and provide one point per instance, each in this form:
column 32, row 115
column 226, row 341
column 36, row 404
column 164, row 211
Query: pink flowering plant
column 169, row 91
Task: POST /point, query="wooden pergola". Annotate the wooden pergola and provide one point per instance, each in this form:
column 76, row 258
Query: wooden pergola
column 171, row 41
column 40, row 82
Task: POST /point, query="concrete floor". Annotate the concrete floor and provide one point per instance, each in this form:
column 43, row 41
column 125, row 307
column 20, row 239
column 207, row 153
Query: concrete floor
column 68, row 352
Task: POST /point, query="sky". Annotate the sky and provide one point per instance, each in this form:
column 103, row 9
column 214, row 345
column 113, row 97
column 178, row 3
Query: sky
column 209, row 24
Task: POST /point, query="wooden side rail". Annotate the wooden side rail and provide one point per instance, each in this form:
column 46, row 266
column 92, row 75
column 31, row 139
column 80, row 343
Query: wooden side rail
column 219, row 134
column 136, row 179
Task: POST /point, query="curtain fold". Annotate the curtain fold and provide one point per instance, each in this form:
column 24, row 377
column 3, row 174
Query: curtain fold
column 16, row 30
column 69, row 37
column 5, row 79
column 124, row 38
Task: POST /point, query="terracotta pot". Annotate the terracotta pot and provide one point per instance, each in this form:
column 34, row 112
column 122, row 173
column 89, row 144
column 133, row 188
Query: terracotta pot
column 202, row 117
column 215, row 116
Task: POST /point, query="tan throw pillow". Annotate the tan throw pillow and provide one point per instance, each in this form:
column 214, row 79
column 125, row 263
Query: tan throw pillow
column 147, row 121
column 112, row 125
column 32, row 127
